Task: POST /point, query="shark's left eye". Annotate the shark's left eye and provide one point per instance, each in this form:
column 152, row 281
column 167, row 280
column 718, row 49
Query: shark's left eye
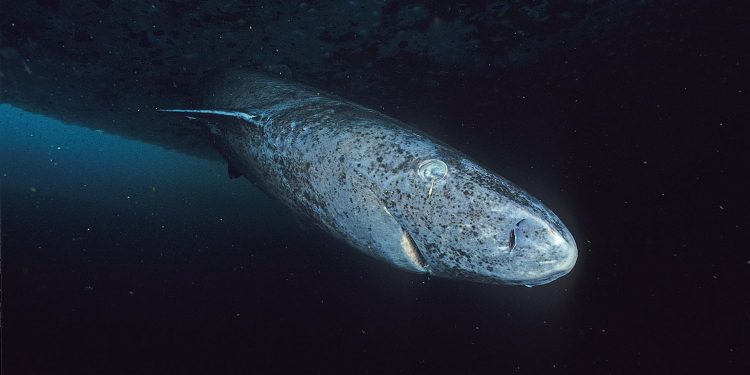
column 432, row 169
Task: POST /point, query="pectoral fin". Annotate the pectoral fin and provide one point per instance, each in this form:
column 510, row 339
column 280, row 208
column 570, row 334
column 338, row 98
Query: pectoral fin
column 380, row 235
column 252, row 118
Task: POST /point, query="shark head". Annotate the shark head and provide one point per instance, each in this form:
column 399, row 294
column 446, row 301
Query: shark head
column 465, row 222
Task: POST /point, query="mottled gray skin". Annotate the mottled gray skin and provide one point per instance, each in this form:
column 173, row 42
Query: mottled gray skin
column 356, row 173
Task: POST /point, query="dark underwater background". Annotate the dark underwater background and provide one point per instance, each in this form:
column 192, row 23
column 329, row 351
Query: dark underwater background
column 126, row 248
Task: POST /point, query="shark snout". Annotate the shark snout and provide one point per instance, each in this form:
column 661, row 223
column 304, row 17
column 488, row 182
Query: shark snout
column 540, row 253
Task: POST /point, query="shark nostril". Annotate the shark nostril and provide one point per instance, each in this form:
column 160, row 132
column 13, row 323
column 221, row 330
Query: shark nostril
column 512, row 239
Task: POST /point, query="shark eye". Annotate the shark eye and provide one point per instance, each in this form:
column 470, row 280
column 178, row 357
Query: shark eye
column 432, row 169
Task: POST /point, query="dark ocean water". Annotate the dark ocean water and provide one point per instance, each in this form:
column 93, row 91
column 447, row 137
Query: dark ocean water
column 121, row 256
column 124, row 257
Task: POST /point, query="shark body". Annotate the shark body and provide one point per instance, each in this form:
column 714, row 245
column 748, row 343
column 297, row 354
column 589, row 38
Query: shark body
column 385, row 189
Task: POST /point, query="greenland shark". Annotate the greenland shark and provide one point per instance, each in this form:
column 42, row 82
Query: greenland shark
column 382, row 187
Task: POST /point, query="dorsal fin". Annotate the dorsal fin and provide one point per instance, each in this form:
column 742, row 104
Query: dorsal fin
column 252, row 118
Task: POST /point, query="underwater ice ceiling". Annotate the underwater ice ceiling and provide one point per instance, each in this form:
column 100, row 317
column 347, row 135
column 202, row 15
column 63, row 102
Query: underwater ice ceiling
column 71, row 59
